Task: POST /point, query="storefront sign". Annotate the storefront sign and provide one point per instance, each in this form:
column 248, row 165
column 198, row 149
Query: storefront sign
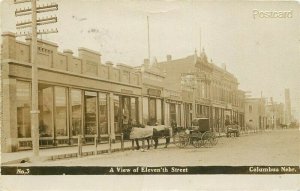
column 126, row 91
column 173, row 97
column 154, row 92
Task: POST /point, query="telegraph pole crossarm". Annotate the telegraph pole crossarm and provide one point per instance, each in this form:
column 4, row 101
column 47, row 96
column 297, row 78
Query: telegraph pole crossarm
column 33, row 24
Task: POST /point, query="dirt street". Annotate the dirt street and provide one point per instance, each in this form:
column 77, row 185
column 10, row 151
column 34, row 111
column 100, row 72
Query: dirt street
column 280, row 147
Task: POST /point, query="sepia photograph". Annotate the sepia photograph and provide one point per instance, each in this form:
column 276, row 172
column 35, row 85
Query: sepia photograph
column 150, row 87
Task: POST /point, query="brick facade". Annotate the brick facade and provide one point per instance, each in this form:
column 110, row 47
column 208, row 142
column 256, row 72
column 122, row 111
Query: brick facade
column 82, row 92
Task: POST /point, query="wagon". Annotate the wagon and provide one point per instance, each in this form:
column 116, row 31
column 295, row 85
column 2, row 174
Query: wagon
column 233, row 129
column 198, row 135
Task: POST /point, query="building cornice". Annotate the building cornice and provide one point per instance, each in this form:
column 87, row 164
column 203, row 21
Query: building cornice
column 12, row 61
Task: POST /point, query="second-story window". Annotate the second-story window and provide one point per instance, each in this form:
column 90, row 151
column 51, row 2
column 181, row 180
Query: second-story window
column 250, row 108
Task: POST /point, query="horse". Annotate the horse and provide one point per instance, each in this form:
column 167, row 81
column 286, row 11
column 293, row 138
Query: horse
column 152, row 132
column 233, row 129
column 283, row 126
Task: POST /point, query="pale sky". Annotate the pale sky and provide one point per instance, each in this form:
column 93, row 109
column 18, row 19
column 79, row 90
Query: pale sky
column 263, row 53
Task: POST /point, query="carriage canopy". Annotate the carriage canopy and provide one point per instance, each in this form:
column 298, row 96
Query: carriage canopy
column 201, row 124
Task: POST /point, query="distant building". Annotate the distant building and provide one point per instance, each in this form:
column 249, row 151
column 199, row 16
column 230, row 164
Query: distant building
column 255, row 114
column 275, row 114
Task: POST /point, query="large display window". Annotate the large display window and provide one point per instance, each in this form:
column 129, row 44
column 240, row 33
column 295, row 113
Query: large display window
column 145, row 110
column 102, row 102
column 46, row 110
column 90, row 100
column 23, row 109
column 117, row 116
column 60, row 111
column 178, row 114
column 76, row 112
column 152, row 111
column 159, row 119
column 172, row 112
column 134, row 113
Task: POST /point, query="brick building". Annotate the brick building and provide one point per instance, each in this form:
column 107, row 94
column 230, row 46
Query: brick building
column 214, row 90
column 255, row 114
column 275, row 114
column 77, row 95
column 152, row 93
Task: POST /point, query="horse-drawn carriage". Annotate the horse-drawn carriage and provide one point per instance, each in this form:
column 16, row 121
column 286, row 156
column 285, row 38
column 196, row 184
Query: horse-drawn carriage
column 233, row 129
column 148, row 132
column 198, row 135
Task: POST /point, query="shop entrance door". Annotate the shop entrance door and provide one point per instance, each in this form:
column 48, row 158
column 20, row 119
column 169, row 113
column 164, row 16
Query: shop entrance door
column 90, row 113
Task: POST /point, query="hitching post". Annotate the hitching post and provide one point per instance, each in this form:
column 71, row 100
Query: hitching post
column 109, row 142
column 132, row 144
column 143, row 144
column 122, row 141
column 95, row 143
column 79, row 146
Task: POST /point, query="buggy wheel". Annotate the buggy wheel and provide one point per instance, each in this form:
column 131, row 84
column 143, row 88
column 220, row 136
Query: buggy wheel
column 197, row 142
column 205, row 138
column 213, row 139
column 181, row 140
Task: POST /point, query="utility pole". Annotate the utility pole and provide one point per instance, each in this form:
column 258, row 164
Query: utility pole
column 148, row 39
column 33, row 24
column 200, row 41
column 274, row 113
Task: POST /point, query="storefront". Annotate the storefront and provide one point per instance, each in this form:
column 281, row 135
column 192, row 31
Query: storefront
column 202, row 111
column 218, row 117
column 76, row 96
column 153, row 111
column 153, row 108
column 174, row 108
column 125, row 112
column 67, row 112
column 187, row 99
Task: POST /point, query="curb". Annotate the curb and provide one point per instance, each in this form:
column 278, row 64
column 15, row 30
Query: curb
column 16, row 161
column 69, row 155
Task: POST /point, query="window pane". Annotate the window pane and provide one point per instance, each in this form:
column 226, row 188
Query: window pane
column 60, row 111
column 159, row 110
column 198, row 110
column 152, row 111
column 133, row 110
column 23, row 109
column 90, row 113
column 76, row 105
column 172, row 112
column 179, row 115
column 125, row 112
column 126, row 105
column 117, row 114
column 145, row 110
column 46, row 110
column 103, row 113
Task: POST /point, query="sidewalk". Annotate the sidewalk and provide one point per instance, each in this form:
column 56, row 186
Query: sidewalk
column 72, row 151
column 62, row 152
